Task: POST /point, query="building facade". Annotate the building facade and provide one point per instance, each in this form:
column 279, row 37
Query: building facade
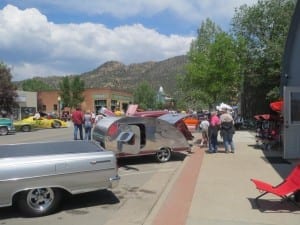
column 94, row 100
column 27, row 104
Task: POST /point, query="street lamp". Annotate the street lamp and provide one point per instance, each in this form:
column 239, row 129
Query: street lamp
column 59, row 99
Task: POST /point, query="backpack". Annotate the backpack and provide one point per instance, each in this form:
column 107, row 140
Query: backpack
column 227, row 125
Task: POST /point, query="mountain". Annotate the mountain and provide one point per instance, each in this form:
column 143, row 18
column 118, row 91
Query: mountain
column 117, row 75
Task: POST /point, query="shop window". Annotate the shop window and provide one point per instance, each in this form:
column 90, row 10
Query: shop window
column 295, row 107
column 99, row 104
column 114, row 105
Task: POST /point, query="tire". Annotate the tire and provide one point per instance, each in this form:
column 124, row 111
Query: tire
column 39, row 201
column 56, row 124
column 26, row 128
column 3, row 131
column 163, row 155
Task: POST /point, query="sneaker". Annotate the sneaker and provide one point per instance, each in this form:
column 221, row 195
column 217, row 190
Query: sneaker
column 210, row 151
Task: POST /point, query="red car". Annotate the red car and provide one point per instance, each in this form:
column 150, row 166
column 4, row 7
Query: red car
column 192, row 122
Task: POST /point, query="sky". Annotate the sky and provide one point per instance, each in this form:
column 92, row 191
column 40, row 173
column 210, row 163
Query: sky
column 58, row 38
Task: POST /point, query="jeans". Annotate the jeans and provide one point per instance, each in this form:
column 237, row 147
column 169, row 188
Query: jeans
column 228, row 142
column 76, row 128
column 88, row 133
column 213, row 142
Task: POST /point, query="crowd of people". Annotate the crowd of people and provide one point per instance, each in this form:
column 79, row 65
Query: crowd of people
column 83, row 121
column 216, row 123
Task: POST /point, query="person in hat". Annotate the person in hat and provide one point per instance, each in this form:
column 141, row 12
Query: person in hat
column 227, row 130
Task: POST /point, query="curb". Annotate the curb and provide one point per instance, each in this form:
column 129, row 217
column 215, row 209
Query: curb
column 176, row 199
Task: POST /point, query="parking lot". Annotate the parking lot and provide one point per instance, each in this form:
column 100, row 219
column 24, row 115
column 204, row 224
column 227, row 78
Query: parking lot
column 142, row 182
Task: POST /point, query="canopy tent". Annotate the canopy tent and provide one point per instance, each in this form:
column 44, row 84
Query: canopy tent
column 223, row 107
column 277, row 106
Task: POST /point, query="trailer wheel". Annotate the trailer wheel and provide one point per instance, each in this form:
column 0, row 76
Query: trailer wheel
column 163, row 155
column 39, row 201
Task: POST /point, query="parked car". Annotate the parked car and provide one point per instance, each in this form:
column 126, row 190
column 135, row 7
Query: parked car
column 35, row 176
column 6, row 126
column 30, row 123
column 25, row 126
column 192, row 122
column 65, row 116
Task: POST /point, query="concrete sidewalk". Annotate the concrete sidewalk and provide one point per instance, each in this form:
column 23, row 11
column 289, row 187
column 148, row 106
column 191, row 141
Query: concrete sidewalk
column 223, row 193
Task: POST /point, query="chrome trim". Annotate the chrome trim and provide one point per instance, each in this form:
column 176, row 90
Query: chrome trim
column 114, row 181
column 56, row 174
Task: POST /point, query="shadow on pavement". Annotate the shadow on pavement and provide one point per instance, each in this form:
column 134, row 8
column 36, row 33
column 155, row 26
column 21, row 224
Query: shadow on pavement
column 274, row 206
column 147, row 159
column 72, row 204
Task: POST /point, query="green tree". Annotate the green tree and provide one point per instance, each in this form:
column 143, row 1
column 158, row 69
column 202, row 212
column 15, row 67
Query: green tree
column 213, row 71
column 71, row 92
column 144, row 95
column 190, row 93
column 65, row 92
column 35, row 84
column 77, row 88
column 264, row 27
column 7, row 90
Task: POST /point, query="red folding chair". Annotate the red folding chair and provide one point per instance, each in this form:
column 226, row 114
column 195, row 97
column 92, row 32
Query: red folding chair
column 284, row 190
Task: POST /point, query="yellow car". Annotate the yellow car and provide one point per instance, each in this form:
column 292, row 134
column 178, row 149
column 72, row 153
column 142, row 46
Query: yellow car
column 30, row 123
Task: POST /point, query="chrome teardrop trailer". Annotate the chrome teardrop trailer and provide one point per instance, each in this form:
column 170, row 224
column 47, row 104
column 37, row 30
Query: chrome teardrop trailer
column 132, row 136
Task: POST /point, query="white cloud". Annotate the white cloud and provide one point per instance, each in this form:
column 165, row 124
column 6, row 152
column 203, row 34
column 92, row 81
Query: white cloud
column 187, row 9
column 33, row 46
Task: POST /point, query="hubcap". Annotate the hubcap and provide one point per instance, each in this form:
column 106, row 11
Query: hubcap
column 40, row 199
column 163, row 155
column 3, row 131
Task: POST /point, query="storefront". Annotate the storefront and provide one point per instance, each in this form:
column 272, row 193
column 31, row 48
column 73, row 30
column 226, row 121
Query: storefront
column 94, row 100
column 27, row 104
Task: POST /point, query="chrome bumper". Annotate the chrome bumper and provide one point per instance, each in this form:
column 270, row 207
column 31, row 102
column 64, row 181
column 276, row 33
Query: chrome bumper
column 114, row 181
column 11, row 130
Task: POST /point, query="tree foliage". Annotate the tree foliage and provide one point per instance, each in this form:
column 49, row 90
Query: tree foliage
column 77, row 88
column 7, row 90
column 264, row 27
column 213, row 70
column 65, row 92
column 144, row 95
column 71, row 92
column 35, row 84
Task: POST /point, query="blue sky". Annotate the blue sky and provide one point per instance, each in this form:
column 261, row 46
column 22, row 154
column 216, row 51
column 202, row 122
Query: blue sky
column 55, row 37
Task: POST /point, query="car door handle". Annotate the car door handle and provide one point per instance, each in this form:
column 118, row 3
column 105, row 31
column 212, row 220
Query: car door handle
column 99, row 161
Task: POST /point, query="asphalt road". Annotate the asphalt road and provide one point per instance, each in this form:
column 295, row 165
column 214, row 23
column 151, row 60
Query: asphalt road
column 142, row 182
